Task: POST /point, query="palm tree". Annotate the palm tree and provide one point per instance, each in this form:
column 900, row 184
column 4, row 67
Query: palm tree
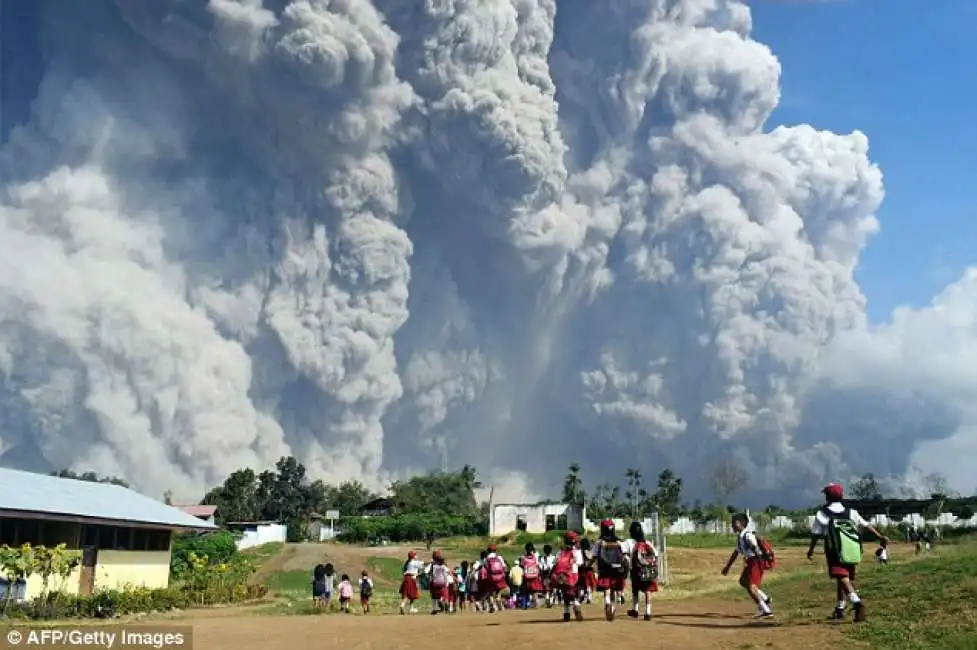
column 634, row 490
column 573, row 492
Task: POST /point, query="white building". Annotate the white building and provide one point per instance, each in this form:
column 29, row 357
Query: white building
column 256, row 533
column 534, row 517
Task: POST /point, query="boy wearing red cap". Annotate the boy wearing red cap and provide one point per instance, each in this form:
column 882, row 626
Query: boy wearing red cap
column 840, row 527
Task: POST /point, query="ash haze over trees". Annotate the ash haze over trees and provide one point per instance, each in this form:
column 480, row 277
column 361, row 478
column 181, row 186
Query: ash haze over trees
column 386, row 236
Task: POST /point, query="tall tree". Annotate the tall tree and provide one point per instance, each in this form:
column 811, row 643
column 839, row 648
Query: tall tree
column 347, row 497
column 635, row 494
column 573, row 491
column 236, row 498
column 668, row 495
column 438, row 492
column 727, row 479
column 867, row 488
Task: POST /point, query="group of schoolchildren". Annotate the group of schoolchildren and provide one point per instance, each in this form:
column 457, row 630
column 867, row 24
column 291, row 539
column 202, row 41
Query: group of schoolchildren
column 324, row 584
column 570, row 576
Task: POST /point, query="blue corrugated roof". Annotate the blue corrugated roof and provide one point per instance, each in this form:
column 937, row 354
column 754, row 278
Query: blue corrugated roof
column 53, row 495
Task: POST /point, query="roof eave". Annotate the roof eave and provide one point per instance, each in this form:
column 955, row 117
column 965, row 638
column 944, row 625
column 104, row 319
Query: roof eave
column 103, row 521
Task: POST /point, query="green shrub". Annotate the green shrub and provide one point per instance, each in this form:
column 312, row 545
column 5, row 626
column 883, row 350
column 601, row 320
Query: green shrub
column 219, row 547
column 109, row 603
column 408, row 528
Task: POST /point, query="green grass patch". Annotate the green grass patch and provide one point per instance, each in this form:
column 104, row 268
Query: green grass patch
column 289, row 581
column 259, row 555
column 927, row 602
column 779, row 539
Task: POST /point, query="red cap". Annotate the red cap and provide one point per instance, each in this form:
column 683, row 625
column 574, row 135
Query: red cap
column 570, row 537
column 412, row 554
column 491, row 548
column 607, row 523
column 834, row 492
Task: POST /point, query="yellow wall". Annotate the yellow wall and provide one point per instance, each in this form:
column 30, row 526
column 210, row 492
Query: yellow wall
column 121, row 569
column 35, row 584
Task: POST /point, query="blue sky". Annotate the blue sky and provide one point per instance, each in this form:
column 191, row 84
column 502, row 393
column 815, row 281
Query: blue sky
column 902, row 72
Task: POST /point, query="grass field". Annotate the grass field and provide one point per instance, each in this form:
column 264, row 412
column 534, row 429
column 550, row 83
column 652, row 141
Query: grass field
column 926, row 602
column 916, row 603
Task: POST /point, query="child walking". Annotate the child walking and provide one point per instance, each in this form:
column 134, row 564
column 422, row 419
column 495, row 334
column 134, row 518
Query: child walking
column 345, row 594
column 644, row 570
column 840, row 527
column 409, row 591
column 366, row 591
column 748, row 547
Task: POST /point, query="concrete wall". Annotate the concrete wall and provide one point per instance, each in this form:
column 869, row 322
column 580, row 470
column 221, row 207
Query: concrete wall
column 262, row 534
column 113, row 570
column 505, row 517
column 128, row 569
column 35, row 584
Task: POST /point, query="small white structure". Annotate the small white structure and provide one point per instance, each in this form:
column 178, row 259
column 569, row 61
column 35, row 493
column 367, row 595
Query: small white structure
column 534, row 517
column 256, row 533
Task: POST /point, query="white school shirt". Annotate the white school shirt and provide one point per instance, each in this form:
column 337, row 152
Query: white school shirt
column 365, row 582
column 820, row 526
column 884, row 555
column 578, row 557
column 546, row 562
column 746, row 544
column 413, row 567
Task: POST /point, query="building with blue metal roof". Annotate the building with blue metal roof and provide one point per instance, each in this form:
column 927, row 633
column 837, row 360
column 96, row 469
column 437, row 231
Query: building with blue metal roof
column 124, row 536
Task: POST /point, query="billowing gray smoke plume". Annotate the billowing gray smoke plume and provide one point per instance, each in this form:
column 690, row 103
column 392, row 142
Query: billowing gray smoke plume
column 387, row 236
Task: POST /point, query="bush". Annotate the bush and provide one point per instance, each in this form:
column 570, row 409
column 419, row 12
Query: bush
column 110, row 603
column 219, row 548
column 408, row 528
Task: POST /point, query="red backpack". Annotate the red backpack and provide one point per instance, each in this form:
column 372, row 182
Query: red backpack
column 495, row 569
column 530, row 567
column 767, row 559
column 563, row 573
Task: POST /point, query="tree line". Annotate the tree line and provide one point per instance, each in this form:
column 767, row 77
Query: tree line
column 444, row 502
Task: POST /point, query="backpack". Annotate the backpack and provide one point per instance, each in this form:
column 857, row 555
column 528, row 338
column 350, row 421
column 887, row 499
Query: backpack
column 530, row 568
column 843, row 540
column 366, row 589
column 495, row 569
column 645, row 563
column 765, row 552
column 612, row 559
column 439, row 575
column 562, row 574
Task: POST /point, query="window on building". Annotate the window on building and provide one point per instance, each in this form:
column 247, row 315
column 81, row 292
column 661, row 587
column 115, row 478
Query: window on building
column 29, row 532
column 8, row 532
column 89, row 536
column 561, row 522
column 123, row 539
column 59, row 532
column 106, row 537
column 550, row 522
column 521, row 524
column 140, row 539
column 159, row 540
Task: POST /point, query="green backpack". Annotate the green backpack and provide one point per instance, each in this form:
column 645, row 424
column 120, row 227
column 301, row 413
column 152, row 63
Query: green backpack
column 843, row 540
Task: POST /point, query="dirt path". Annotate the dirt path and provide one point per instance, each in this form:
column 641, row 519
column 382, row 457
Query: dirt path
column 689, row 625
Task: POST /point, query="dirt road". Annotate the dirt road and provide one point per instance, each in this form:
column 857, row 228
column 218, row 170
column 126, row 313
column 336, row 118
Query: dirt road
column 687, row 625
